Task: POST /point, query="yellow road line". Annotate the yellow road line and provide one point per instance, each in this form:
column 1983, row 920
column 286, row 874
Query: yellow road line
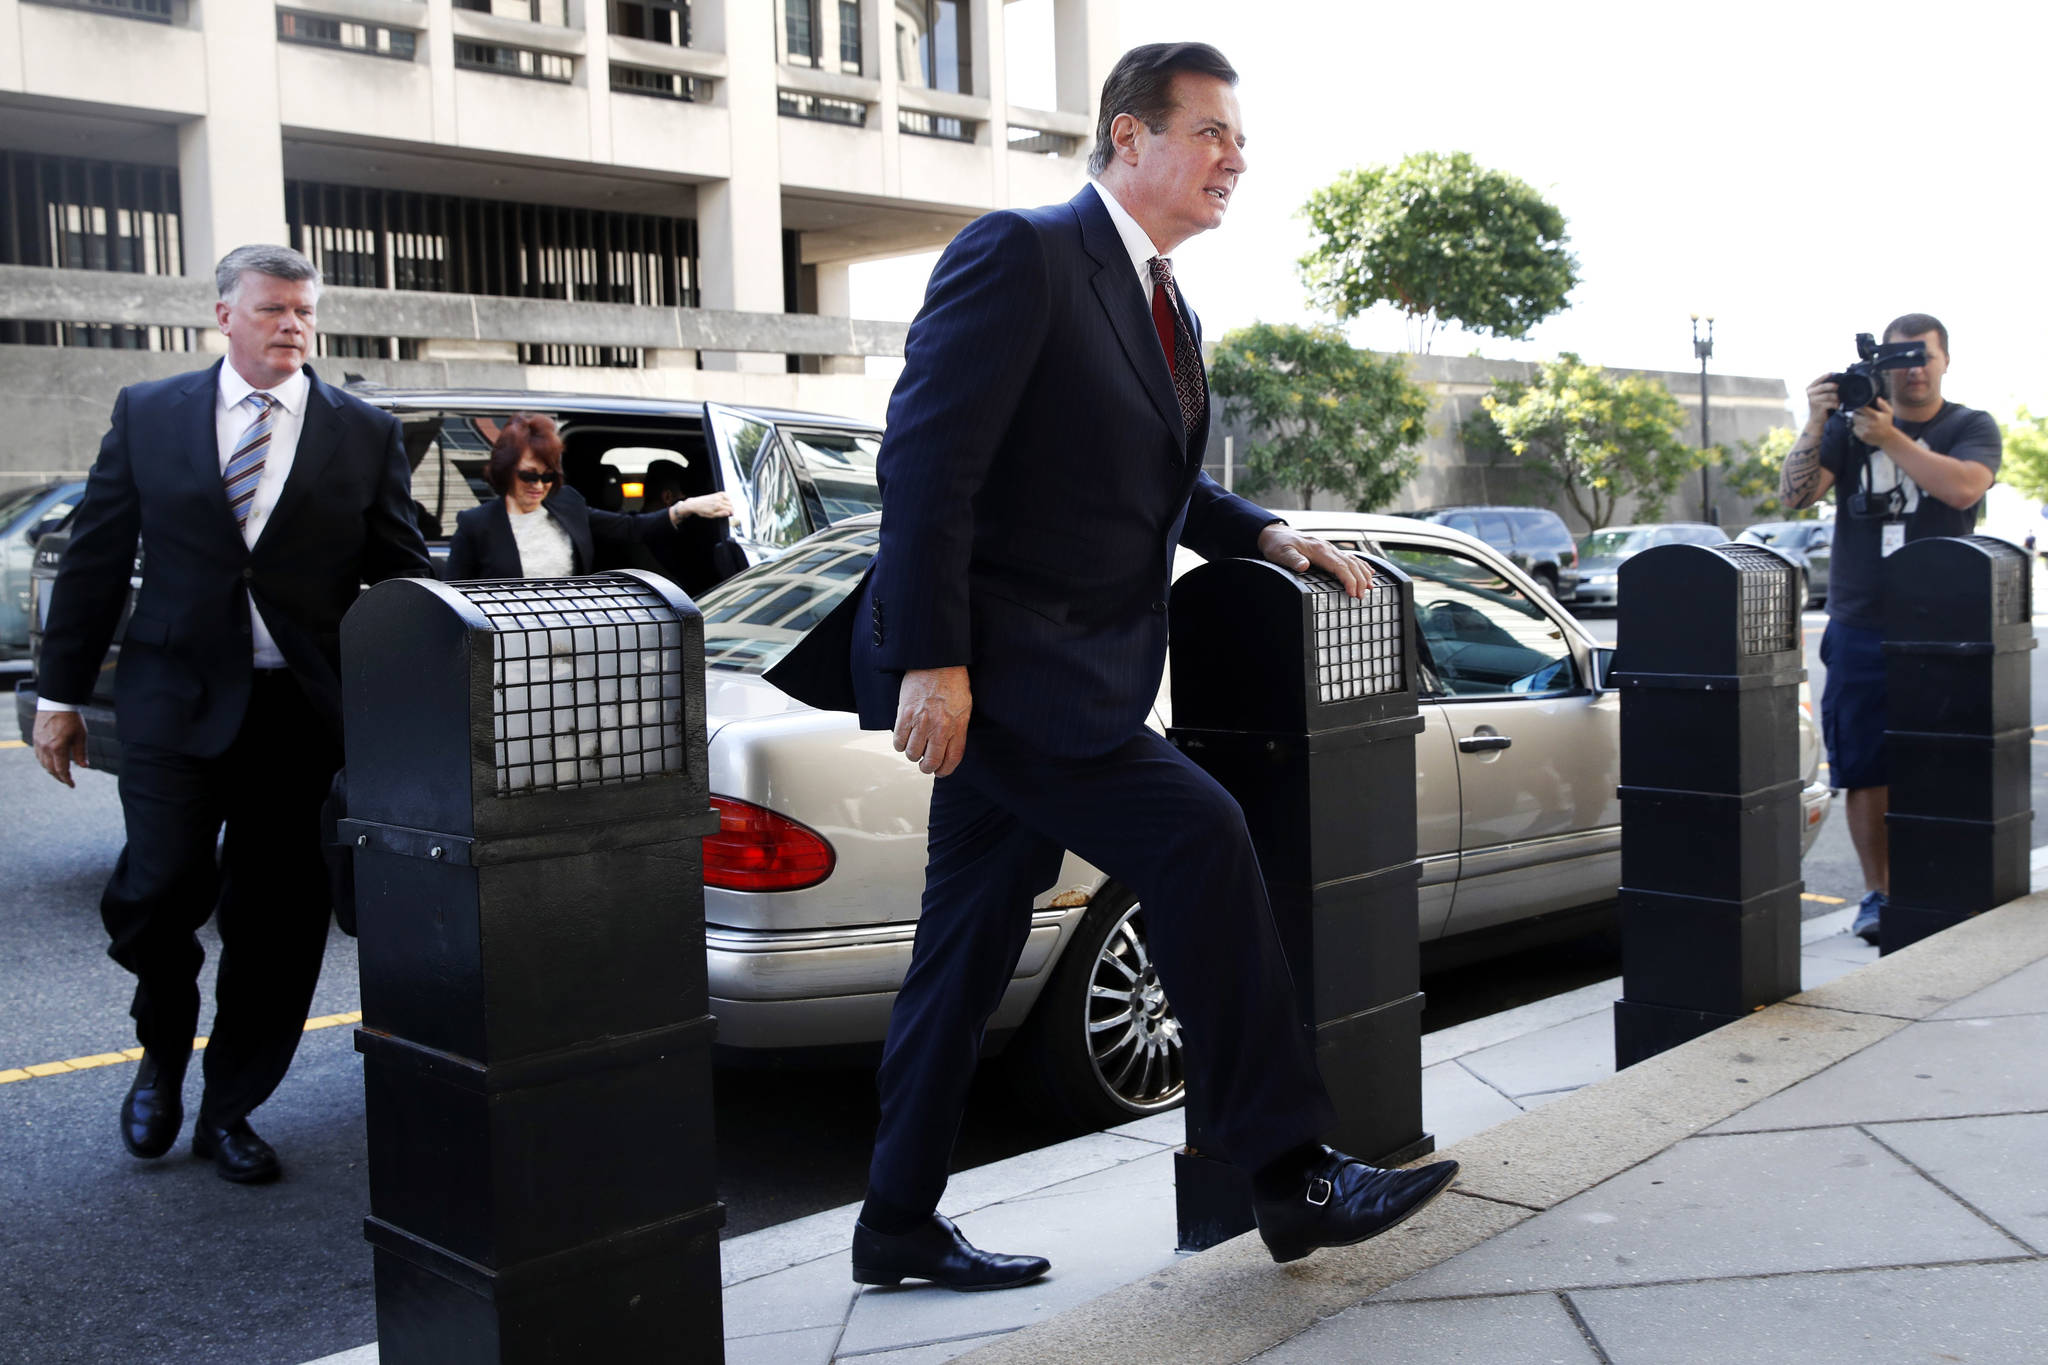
column 12, row 744
column 134, row 1054
column 1824, row 900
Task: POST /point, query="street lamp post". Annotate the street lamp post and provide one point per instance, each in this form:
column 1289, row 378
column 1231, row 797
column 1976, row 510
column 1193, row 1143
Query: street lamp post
column 1703, row 347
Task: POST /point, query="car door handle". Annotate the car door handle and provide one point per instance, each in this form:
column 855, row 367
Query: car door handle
column 1479, row 744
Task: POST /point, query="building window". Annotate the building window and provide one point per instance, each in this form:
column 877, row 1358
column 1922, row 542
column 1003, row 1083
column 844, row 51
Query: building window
column 67, row 213
column 395, row 239
column 317, row 30
column 155, row 11
column 514, row 61
column 668, row 85
column 822, row 108
column 655, row 21
column 800, row 31
column 554, row 12
column 933, row 46
column 917, row 122
column 849, row 37
column 1039, row 142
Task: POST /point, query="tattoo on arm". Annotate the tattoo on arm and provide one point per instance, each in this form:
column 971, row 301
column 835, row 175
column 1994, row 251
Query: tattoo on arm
column 1799, row 482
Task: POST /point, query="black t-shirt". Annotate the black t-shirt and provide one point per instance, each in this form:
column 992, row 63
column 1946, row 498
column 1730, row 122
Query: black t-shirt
column 1855, row 582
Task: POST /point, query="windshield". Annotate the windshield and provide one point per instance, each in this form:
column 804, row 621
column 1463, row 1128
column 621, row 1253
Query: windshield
column 1612, row 544
column 1769, row 532
column 842, row 467
column 754, row 618
column 13, row 505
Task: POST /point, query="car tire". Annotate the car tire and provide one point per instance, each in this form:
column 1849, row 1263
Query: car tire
column 1102, row 1045
column 1546, row 579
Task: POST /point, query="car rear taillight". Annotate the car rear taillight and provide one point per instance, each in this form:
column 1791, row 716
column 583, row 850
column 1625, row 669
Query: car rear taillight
column 757, row 850
column 1571, row 556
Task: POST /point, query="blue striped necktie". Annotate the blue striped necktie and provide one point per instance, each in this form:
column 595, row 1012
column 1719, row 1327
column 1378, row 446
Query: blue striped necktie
column 245, row 466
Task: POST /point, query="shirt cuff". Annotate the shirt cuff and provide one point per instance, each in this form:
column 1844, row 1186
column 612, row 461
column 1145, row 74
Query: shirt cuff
column 45, row 704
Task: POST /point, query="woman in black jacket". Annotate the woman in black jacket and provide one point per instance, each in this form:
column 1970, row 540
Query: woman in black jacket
column 536, row 527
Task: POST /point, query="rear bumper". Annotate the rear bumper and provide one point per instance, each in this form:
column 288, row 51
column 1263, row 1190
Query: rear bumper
column 832, row 987
column 1815, row 800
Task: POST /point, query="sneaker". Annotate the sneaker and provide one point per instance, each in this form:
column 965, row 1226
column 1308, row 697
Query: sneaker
column 1867, row 911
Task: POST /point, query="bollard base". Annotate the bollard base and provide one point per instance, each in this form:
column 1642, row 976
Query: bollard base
column 1641, row 1031
column 654, row 1295
column 1902, row 926
column 1212, row 1201
column 1723, row 956
column 1959, row 866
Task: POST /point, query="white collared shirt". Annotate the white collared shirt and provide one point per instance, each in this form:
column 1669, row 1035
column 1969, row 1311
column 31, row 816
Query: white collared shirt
column 1135, row 239
column 232, row 418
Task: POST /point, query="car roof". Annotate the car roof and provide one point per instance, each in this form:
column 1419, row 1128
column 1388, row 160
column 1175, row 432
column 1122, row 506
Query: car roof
column 1660, row 525
column 520, row 400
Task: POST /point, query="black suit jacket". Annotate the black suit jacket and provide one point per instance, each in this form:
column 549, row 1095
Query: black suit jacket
column 1036, row 476
column 483, row 545
column 343, row 519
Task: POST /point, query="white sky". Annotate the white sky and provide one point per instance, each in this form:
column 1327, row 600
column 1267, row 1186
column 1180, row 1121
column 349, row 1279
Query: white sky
column 1802, row 171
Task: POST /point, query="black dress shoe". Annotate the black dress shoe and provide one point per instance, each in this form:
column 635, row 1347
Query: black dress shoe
column 1341, row 1200
column 238, row 1154
column 938, row 1253
column 152, row 1113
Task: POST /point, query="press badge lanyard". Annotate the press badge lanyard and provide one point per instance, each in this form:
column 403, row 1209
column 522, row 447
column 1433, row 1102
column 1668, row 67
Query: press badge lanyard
column 1893, row 533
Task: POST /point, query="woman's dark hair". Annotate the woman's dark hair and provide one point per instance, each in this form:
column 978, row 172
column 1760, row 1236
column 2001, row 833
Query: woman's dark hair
column 529, row 433
column 1141, row 85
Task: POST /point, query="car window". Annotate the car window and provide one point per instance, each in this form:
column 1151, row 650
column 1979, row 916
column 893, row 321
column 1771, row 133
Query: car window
column 841, row 466
column 1493, row 529
column 454, row 448
column 754, row 618
column 1705, row 535
column 14, row 504
column 1459, row 521
column 1484, row 635
column 1611, row 543
column 778, row 504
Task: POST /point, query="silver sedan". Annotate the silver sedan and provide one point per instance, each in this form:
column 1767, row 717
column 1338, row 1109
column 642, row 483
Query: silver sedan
column 813, row 883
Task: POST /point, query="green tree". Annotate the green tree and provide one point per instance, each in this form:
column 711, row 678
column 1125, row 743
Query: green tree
column 1443, row 239
column 1597, row 436
column 1755, row 477
column 1324, row 416
column 2025, row 466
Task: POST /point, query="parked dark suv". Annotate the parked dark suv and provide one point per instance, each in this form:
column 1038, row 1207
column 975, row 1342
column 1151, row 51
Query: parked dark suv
column 789, row 473
column 1535, row 538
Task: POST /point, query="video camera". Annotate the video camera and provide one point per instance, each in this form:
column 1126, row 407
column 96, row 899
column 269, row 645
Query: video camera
column 1858, row 384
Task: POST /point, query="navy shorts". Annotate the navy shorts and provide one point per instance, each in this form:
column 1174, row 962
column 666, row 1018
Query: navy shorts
column 1852, row 705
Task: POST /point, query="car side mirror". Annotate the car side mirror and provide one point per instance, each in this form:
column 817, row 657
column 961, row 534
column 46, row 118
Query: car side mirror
column 1603, row 666
column 44, row 527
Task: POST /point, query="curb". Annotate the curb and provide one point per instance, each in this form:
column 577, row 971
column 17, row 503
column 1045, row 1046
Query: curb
column 1232, row 1302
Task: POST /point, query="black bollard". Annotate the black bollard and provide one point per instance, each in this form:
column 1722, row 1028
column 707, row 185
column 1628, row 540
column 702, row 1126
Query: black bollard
column 1301, row 702
column 1959, row 623
column 1709, row 664
column 527, row 799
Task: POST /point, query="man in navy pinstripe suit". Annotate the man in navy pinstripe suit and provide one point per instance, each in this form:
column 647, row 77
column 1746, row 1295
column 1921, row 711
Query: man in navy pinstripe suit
column 1043, row 460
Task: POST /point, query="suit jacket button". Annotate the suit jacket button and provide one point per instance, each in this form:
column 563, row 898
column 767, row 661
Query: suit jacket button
column 248, row 574
column 1159, row 606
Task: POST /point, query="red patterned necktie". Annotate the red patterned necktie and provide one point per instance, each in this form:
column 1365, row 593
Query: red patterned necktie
column 1183, row 361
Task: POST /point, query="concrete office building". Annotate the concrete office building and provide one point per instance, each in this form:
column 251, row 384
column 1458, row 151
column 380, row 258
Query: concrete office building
column 645, row 196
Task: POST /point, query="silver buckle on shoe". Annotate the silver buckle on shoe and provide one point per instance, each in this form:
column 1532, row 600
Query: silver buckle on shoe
column 1318, row 1191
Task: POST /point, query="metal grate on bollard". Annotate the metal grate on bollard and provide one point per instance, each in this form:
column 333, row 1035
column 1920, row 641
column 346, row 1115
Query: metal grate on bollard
column 586, row 674
column 1358, row 642
column 1769, row 618
column 2012, row 587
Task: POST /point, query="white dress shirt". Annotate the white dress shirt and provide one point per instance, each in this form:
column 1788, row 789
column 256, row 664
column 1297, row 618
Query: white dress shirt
column 1135, row 239
column 232, row 417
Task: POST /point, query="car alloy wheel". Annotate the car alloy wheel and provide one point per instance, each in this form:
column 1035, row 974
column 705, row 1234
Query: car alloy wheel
column 1133, row 1038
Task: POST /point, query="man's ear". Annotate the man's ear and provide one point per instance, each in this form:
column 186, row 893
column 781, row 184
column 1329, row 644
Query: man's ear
column 1123, row 135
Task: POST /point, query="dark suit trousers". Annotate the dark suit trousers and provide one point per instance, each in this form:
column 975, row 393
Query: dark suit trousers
column 267, row 882
column 1161, row 827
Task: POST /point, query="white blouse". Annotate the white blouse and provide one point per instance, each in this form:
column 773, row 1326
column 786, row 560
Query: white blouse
column 544, row 549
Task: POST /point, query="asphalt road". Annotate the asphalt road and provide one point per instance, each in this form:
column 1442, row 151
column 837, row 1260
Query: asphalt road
column 105, row 1258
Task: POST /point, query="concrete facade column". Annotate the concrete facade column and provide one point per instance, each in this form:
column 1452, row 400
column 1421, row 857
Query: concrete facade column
column 597, row 76
column 739, row 221
column 438, row 52
column 879, row 16
column 1085, row 46
column 231, row 162
column 835, row 300
column 992, row 82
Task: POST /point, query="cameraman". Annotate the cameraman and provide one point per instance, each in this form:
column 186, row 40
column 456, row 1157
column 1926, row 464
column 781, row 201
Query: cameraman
column 1915, row 466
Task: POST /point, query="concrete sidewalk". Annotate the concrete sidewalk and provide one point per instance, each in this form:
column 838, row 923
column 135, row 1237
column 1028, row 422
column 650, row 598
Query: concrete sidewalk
column 1716, row 1169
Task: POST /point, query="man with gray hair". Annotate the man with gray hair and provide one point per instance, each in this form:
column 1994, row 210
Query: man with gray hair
column 266, row 499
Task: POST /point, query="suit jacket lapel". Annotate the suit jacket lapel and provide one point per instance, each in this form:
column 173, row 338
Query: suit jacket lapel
column 196, row 427
column 1121, row 297
column 504, row 546
column 319, row 434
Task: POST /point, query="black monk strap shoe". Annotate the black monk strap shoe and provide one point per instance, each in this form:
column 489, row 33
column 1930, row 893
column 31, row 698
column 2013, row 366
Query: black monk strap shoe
column 238, row 1154
column 152, row 1112
column 938, row 1253
column 1341, row 1200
